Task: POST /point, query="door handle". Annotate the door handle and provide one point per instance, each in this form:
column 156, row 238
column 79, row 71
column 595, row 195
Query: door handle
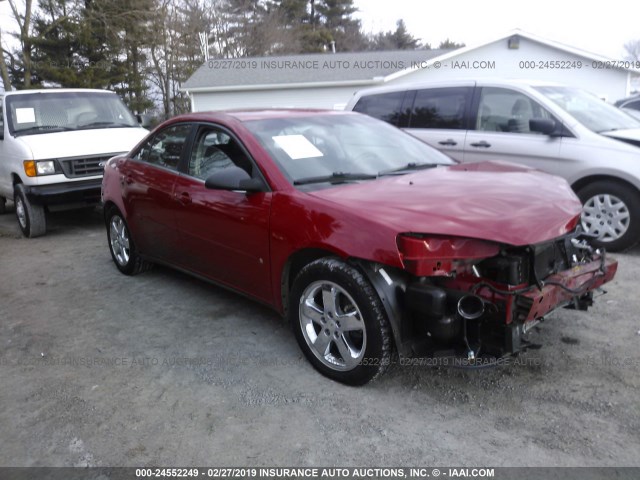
column 184, row 198
column 482, row 144
column 449, row 142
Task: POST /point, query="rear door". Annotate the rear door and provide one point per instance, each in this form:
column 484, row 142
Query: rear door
column 501, row 130
column 224, row 235
column 147, row 185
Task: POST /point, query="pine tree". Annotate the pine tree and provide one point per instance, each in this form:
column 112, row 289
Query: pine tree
column 400, row 39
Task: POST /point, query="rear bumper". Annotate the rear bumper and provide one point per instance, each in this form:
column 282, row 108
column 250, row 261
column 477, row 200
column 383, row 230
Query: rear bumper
column 80, row 194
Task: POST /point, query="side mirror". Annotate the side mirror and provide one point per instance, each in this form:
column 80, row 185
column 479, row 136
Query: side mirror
column 234, row 179
column 545, row 126
column 144, row 120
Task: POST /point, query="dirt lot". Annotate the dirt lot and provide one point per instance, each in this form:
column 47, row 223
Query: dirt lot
column 101, row 369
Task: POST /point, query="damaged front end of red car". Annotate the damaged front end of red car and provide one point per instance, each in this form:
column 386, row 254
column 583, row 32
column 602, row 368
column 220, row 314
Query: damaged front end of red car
column 471, row 298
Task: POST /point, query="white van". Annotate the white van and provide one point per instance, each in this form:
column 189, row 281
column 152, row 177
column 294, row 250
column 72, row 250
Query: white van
column 53, row 147
column 555, row 128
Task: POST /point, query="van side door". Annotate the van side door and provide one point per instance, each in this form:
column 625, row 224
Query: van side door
column 501, row 131
column 439, row 117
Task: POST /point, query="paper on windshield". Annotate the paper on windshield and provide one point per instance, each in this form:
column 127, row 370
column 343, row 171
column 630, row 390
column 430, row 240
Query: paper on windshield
column 297, row 146
column 25, row 115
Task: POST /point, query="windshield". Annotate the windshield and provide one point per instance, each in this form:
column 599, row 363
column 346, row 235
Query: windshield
column 36, row 113
column 593, row 113
column 341, row 148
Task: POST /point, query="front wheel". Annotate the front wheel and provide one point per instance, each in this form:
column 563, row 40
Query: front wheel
column 339, row 322
column 31, row 217
column 611, row 210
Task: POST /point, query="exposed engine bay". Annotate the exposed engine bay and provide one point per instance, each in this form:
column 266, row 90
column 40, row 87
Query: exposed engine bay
column 486, row 307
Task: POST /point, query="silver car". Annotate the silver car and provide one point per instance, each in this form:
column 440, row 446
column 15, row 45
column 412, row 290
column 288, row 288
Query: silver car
column 559, row 129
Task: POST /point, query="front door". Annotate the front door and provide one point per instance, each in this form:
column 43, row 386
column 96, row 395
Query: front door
column 224, row 234
column 501, row 131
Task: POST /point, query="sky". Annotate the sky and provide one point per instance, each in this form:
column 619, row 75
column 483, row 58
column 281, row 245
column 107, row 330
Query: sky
column 597, row 27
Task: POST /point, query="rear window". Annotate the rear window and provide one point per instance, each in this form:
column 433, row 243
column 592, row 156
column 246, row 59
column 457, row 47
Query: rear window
column 440, row 108
column 384, row 106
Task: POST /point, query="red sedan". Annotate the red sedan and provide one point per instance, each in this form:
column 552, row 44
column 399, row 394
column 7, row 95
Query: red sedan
column 369, row 241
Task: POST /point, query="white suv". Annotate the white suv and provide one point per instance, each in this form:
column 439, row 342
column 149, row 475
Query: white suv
column 559, row 129
column 53, row 148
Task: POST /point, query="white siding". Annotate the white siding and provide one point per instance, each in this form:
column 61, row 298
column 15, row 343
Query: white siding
column 606, row 83
column 499, row 62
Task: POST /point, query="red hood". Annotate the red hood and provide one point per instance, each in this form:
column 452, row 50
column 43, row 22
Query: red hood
column 493, row 201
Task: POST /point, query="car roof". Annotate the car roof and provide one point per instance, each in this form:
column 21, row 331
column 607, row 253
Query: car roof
column 461, row 82
column 257, row 114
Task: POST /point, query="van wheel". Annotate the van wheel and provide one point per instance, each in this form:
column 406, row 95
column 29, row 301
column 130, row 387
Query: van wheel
column 3, row 205
column 611, row 210
column 31, row 217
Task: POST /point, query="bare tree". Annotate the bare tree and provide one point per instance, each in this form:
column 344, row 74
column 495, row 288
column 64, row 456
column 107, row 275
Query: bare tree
column 175, row 49
column 24, row 26
column 633, row 50
column 4, row 73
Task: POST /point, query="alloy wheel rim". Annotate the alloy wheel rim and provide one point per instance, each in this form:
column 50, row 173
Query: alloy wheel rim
column 332, row 325
column 119, row 240
column 606, row 216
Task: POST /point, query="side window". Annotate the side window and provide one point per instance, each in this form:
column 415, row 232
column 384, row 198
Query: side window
column 165, row 148
column 634, row 105
column 1, row 119
column 214, row 150
column 503, row 110
column 440, row 108
column 384, row 106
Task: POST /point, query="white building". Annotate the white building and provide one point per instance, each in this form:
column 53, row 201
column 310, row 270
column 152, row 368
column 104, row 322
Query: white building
column 329, row 80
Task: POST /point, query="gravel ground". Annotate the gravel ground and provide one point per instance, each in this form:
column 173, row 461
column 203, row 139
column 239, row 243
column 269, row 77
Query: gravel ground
column 101, row 369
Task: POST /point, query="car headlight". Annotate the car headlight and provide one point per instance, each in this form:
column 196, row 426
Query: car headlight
column 435, row 255
column 34, row 168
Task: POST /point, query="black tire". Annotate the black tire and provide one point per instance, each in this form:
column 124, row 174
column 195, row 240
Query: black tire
column 3, row 205
column 347, row 337
column 611, row 210
column 121, row 245
column 31, row 217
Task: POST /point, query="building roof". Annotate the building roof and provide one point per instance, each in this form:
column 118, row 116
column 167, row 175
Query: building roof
column 311, row 69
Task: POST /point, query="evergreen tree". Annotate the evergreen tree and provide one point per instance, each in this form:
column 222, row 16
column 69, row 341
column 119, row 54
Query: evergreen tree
column 400, row 39
column 448, row 45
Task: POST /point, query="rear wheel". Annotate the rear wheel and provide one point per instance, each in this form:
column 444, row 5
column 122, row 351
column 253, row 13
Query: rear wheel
column 3, row 205
column 31, row 217
column 123, row 250
column 339, row 322
column 611, row 210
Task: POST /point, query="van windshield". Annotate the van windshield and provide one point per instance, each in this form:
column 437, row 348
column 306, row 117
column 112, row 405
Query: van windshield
column 46, row 112
column 594, row 113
